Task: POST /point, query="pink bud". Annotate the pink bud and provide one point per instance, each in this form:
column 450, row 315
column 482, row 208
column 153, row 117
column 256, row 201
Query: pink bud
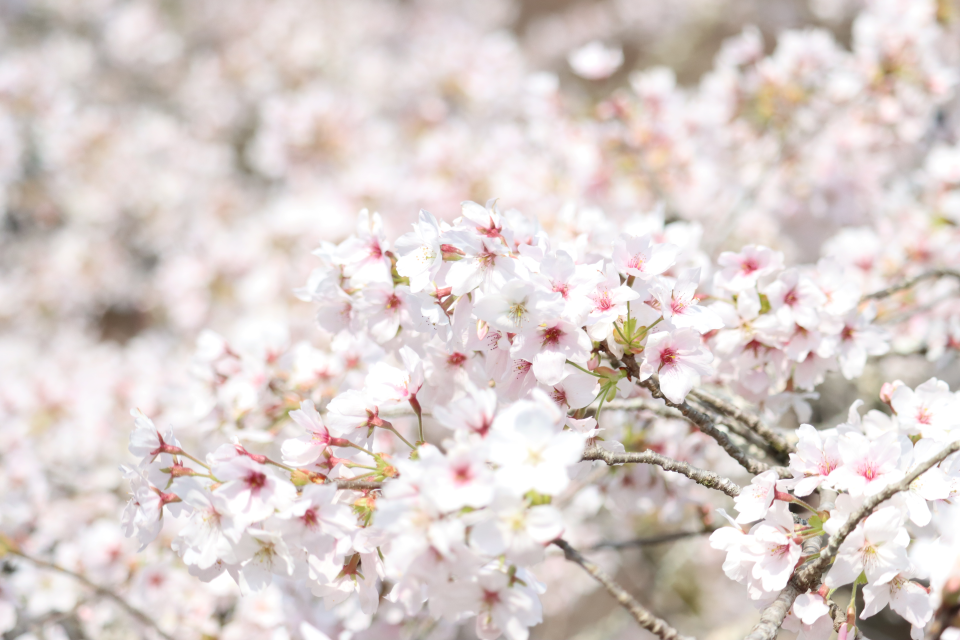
column 888, row 389
column 451, row 252
column 482, row 329
column 256, row 457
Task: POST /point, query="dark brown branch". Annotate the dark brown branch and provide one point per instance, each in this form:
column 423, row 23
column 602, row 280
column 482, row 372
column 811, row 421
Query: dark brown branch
column 643, row 617
column 776, row 441
column 701, row 420
column 706, row 425
column 703, row 477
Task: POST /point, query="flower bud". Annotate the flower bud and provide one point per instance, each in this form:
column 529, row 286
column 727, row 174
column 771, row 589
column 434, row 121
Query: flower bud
column 451, row 253
column 888, row 389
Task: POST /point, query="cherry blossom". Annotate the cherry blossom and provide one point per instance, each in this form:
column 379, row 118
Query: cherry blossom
column 679, row 359
column 877, row 548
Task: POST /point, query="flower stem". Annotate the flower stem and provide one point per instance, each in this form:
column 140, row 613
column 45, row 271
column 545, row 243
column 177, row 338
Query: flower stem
column 803, row 504
column 366, row 451
column 190, row 457
column 281, row 465
column 397, row 433
column 596, row 375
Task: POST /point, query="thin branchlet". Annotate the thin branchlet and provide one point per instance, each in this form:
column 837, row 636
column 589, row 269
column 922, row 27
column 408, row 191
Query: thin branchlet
column 644, row 618
column 100, row 590
column 358, row 485
column 702, row 477
column 650, row 541
column 911, row 282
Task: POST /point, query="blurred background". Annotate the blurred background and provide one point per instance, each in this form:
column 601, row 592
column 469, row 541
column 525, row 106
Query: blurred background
column 168, row 166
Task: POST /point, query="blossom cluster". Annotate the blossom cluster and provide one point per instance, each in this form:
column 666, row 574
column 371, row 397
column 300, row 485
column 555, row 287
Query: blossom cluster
column 505, row 339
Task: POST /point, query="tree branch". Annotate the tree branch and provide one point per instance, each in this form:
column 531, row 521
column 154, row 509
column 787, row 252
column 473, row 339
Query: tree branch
column 643, row 617
column 357, row 485
column 808, row 576
column 910, row 282
column 142, row 618
column 776, row 441
column 703, row 477
column 698, row 418
column 652, row 540
column 705, row 424
column 636, row 404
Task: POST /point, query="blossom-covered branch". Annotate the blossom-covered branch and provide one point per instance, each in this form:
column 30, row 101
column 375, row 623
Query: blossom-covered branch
column 808, row 576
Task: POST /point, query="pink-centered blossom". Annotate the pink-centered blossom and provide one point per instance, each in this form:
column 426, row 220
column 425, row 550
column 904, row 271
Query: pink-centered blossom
column 549, row 346
column 679, row 359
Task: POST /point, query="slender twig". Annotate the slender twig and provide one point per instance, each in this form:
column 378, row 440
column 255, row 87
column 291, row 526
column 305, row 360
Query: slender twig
column 910, row 282
column 809, row 574
column 652, row 540
column 775, row 440
column 703, row 477
column 141, row 617
column 358, row 484
column 643, row 617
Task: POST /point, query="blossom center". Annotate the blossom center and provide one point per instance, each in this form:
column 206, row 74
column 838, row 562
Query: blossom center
column 310, row 519
column 517, row 311
column 602, row 301
column 551, row 336
column 256, row 480
column 868, row 470
column 462, row 474
column 486, row 259
column 749, row 265
column 636, row 261
column 668, row 356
